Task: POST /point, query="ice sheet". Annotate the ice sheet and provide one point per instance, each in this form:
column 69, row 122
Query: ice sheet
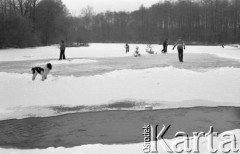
column 107, row 50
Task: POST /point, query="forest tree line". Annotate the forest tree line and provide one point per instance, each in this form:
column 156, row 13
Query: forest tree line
column 27, row 23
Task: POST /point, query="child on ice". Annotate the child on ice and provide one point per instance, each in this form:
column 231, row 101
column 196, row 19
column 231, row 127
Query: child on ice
column 137, row 54
column 149, row 49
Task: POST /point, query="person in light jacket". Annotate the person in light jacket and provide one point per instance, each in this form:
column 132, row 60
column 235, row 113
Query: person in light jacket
column 180, row 46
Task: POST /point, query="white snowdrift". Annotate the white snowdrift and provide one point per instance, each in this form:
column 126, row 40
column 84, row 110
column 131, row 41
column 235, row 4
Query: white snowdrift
column 107, row 50
column 124, row 149
column 221, row 86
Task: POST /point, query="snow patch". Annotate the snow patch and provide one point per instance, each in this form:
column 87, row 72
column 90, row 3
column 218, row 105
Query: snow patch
column 68, row 62
column 172, row 85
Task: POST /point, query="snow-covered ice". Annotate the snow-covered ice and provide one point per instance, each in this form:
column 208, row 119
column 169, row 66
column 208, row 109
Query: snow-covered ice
column 20, row 97
column 220, row 86
column 106, row 50
column 68, row 62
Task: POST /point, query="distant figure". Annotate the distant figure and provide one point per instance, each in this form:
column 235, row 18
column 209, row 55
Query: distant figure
column 180, row 46
column 165, row 44
column 220, row 42
column 127, row 48
column 149, row 49
column 62, row 50
column 137, row 54
column 42, row 71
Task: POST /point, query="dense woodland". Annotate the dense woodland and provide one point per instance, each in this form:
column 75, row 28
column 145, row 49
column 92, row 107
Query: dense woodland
column 26, row 23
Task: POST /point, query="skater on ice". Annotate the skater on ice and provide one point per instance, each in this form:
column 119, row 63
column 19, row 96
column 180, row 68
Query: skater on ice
column 180, row 46
column 42, row 71
column 137, row 54
column 165, row 45
column 62, row 50
column 127, row 47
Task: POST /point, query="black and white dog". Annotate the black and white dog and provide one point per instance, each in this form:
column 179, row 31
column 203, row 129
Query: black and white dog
column 42, row 71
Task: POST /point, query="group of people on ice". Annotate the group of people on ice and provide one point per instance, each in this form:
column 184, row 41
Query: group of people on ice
column 179, row 44
column 45, row 71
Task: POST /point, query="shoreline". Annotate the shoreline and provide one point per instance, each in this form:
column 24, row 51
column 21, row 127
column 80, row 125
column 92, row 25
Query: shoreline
column 120, row 110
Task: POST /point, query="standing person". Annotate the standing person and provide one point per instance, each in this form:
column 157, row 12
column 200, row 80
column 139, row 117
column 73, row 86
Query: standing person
column 127, row 48
column 165, row 44
column 62, row 50
column 180, row 46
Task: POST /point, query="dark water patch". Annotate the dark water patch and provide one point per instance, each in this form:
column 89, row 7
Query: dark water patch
column 61, row 109
column 123, row 104
column 112, row 127
column 119, row 105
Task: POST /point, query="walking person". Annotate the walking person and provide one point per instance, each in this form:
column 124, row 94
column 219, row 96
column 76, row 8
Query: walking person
column 62, row 50
column 180, row 46
column 127, row 48
column 165, row 44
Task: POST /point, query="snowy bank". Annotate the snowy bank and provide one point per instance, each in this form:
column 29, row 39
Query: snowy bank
column 220, row 86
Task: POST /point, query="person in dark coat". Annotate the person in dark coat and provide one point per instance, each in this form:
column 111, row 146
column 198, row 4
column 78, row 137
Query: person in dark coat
column 180, row 46
column 127, row 48
column 165, row 44
column 62, row 50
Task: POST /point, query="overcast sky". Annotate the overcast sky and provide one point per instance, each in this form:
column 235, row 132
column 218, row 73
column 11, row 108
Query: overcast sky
column 75, row 6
